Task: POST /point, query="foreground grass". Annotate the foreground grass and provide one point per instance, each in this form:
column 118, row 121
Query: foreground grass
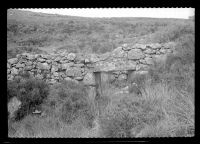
column 161, row 112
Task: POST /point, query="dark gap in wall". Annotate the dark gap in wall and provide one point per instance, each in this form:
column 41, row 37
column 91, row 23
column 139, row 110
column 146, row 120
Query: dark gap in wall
column 98, row 86
column 130, row 72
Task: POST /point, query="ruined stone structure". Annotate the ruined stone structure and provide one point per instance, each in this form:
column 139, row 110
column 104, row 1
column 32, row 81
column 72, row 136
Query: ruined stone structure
column 118, row 64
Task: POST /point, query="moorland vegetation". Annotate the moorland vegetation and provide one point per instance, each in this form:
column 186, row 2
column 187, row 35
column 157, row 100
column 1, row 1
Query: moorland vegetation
column 166, row 108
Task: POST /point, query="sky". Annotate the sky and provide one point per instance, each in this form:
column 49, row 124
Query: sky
column 122, row 12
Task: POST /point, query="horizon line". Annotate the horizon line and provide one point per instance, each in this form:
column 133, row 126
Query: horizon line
column 59, row 13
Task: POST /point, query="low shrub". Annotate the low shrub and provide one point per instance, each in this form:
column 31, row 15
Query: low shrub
column 30, row 92
column 70, row 101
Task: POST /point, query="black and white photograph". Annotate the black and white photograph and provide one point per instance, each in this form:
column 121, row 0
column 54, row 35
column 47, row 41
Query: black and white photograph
column 101, row 72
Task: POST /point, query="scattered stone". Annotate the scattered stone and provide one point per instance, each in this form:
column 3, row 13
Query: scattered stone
column 57, row 59
column 78, row 78
column 154, row 46
column 64, row 61
column 139, row 46
column 130, row 65
column 158, row 52
column 44, row 56
column 141, row 72
column 13, row 61
column 18, row 56
column 66, row 65
column 20, row 65
column 37, row 56
column 8, row 71
column 163, row 50
column 54, row 68
column 10, row 77
column 149, row 51
column 169, row 51
column 94, row 58
column 79, row 65
column 52, row 81
column 122, row 77
column 56, row 74
column 70, row 79
column 48, row 61
column 30, row 56
column 105, row 66
column 39, row 76
column 169, row 45
column 119, row 53
column 8, row 65
column 140, row 67
column 43, row 66
column 41, row 60
column 74, row 72
column 125, row 45
column 28, row 67
column 13, row 105
column 80, row 58
column 142, row 61
column 87, row 61
column 14, row 71
column 29, row 63
column 71, row 56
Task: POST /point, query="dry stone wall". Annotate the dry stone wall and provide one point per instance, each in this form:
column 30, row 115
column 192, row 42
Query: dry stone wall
column 79, row 68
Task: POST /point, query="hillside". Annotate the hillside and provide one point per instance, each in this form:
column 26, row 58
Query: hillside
column 100, row 77
column 30, row 31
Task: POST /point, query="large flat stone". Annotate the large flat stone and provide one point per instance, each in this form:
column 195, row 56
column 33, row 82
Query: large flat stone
column 119, row 53
column 66, row 65
column 13, row 61
column 54, row 68
column 74, row 72
column 93, row 58
column 135, row 54
column 13, row 105
column 139, row 46
column 71, row 56
column 20, row 65
column 43, row 66
column 154, row 46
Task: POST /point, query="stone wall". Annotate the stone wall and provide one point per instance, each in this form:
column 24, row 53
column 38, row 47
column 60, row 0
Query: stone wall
column 80, row 68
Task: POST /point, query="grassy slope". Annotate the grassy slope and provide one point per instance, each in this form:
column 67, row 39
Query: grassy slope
column 95, row 35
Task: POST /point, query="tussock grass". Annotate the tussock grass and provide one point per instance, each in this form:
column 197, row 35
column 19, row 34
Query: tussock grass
column 161, row 112
column 166, row 108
